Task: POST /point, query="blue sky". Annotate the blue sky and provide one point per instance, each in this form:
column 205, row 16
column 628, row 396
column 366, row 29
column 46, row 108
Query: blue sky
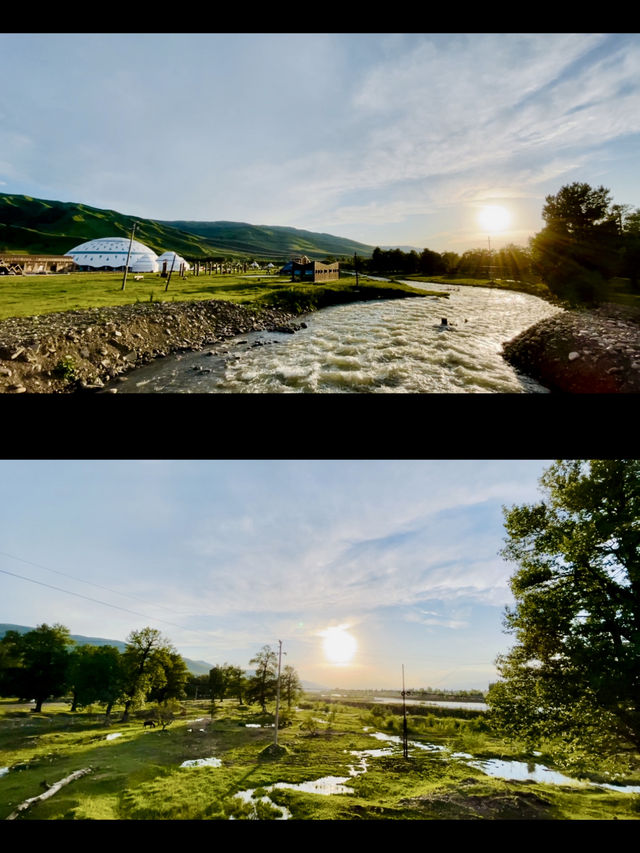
column 385, row 138
column 226, row 556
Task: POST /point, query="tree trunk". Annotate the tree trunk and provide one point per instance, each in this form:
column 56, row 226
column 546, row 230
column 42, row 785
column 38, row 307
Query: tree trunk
column 38, row 708
column 52, row 790
column 125, row 715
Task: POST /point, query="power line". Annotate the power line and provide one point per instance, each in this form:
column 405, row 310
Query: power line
column 81, row 580
column 95, row 600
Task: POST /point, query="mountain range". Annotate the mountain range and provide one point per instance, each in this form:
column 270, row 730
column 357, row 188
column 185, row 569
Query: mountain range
column 38, row 226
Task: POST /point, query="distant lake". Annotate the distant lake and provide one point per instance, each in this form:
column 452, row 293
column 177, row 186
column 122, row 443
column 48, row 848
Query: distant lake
column 471, row 706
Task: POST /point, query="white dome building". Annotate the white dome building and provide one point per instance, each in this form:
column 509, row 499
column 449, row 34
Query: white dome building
column 112, row 252
column 169, row 258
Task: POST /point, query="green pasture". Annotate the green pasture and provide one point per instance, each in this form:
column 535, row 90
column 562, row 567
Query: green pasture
column 33, row 295
column 138, row 775
column 620, row 289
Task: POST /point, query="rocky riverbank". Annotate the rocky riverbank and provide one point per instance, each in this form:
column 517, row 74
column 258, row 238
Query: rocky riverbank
column 582, row 352
column 83, row 350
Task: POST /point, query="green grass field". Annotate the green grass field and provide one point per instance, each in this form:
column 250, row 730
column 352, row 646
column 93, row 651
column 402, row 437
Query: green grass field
column 620, row 290
column 137, row 775
column 28, row 296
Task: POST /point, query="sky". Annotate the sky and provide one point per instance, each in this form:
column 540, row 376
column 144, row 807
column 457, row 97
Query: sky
column 224, row 557
column 390, row 139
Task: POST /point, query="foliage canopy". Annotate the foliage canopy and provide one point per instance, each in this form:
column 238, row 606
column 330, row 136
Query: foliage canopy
column 574, row 671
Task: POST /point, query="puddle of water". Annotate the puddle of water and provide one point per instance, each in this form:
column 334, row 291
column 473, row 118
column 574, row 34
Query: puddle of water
column 519, row 770
column 113, row 736
column 247, row 797
column 3, row 770
column 326, row 786
column 202, row 762
column 252, row 726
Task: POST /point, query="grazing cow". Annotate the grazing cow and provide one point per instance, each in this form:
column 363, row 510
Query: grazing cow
column 149, row 723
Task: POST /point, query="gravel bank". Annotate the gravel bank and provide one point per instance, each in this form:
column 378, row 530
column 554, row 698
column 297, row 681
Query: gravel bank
column 582, row 352
column 82, row 350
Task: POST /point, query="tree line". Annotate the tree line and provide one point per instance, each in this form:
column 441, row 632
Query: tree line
column 509, row 262
column 587, row 240
column 46, row 663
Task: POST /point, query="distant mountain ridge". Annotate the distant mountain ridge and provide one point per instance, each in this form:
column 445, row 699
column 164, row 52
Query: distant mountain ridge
column 43, row 226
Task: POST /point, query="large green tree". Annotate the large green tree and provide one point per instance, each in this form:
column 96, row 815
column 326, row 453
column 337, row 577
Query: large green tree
column 143, row 666
column 578, row 249
column 95, row 674
column 574, row 672
column 37, row 663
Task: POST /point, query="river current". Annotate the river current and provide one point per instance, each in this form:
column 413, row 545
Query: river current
column 381, row 346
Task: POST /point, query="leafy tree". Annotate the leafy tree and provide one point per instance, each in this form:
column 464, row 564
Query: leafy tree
column 143, row 666
column 217, row 683
column 197, row 686
column 95, row 674
column 431, row 263
column 11, row 664
column 42, row 658
column 574, row 671
column 237, row 682
column 290, row 685
column 450, row 261
column 577, row 250
column 175, row 677
column 262, row 686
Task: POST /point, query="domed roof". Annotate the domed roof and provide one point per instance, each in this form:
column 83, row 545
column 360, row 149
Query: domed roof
column 112, row 252
column 169, row 258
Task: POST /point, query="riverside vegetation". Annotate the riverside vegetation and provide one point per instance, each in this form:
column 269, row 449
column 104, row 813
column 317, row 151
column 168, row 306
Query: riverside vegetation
column 136, row 771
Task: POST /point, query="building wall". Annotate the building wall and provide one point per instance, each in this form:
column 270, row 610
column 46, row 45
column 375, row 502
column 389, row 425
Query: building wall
column 38, row 263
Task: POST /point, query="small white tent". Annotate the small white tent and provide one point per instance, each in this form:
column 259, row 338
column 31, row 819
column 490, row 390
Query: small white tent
column 172, row 258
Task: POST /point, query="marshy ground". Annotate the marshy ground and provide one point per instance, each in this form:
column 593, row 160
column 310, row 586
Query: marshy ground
column 138, row 774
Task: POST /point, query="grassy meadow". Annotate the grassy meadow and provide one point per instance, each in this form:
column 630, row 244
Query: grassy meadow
column 620, row 292
column 137, row 775
column 33, row 295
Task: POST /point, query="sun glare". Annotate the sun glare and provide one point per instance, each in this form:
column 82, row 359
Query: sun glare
column 494, row 218
column 339, row 645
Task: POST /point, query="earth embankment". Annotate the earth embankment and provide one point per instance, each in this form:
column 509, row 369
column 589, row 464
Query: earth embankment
column 582, row 352
column 82, row 350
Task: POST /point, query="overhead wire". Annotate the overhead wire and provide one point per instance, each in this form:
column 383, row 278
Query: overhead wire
column 81, row 580
column 95, row 600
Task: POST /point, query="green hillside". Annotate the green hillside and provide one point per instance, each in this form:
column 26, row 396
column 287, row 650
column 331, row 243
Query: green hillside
column 38, row 226
column 273, row 240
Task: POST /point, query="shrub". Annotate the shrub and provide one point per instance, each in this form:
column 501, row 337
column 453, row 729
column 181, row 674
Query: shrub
column 65, row 369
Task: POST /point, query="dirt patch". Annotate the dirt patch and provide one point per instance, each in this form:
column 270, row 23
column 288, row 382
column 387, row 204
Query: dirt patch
column 511, row 805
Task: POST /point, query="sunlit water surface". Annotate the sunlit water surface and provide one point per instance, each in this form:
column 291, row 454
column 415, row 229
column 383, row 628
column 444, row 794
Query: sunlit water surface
column 395, row 346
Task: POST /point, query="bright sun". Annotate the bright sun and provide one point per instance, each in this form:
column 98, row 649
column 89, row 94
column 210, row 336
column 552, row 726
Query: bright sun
column 494, row 218
column 339, row 645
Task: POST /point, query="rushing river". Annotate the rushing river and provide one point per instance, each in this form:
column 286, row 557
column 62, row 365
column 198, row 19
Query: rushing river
column 381, row 346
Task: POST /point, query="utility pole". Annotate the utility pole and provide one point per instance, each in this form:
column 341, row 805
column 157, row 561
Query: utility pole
column 126, row 266
column 278, row 693
column 405, row 743
column 170, row 271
